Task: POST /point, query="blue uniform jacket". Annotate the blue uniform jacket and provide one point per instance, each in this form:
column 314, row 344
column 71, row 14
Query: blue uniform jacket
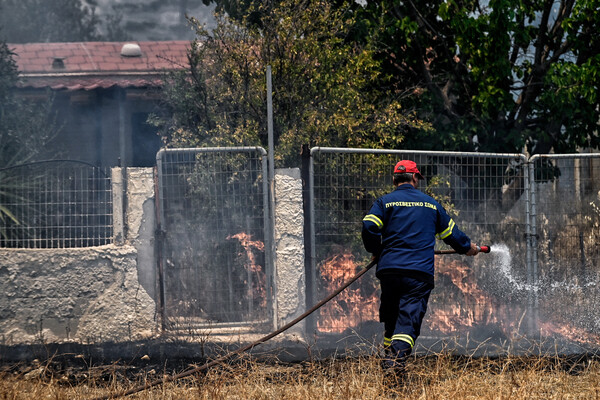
column 401, row 228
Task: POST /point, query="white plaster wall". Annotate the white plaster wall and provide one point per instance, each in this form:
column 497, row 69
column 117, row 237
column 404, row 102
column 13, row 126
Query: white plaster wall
column 289, row 247
column 85, row 295
column 141, row 223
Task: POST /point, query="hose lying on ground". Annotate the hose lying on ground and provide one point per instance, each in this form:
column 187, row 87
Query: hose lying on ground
column 171, row 378
column 243, row 349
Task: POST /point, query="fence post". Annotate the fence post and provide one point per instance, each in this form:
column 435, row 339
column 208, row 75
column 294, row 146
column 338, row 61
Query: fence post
column 532, row 260
column 117, row 203
column 308, row 247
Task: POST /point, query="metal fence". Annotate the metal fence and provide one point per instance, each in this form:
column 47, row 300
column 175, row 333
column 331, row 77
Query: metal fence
column 565, row 206
column 214, row 217
column 56, row 204
column 502, row 295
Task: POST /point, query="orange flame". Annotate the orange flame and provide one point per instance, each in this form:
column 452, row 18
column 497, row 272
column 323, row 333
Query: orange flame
column 258, row 289
column 351, row 307
column 474, row 307
column 568, row 331
column 467, row 305
column 455, row 317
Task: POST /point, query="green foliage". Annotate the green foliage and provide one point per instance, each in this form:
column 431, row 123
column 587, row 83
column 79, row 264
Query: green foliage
column 8, row 74
column 506, row 72
column 24, row 129
column 327, row 90
column 438, row 187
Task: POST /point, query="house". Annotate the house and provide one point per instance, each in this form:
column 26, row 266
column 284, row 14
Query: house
column 103, row 93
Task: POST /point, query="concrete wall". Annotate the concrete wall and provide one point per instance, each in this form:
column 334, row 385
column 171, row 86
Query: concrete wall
column 109, row 293
column 289, row 248
column 86, row 295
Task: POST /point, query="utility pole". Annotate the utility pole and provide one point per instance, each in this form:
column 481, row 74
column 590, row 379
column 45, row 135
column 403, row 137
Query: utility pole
column 271, row 163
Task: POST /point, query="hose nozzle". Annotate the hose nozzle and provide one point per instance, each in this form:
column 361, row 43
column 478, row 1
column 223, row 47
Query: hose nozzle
column 482, row 249
column 485, row 249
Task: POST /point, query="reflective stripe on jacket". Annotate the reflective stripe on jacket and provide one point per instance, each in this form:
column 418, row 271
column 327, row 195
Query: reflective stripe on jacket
column 402, row 226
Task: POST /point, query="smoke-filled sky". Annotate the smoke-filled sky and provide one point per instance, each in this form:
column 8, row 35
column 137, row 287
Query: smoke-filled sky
column 41, row 21
column 157, row 20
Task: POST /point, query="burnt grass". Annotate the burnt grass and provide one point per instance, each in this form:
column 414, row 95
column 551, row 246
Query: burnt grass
column 71, row 369
column 74, row 369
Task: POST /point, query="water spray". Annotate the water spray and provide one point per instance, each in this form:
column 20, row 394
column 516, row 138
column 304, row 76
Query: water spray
column 171, row 378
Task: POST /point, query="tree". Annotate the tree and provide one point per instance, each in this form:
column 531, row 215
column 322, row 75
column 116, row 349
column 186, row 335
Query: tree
column 495, row 75
column 25, row 128
column 235, row 9
column 326, row 88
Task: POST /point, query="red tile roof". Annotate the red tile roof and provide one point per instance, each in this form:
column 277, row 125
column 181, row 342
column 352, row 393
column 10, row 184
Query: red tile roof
column 91, row 65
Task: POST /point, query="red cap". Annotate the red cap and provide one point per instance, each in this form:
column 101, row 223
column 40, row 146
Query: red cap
column 407, row 166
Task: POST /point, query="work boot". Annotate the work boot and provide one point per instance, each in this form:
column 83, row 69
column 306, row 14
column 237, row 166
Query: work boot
column 394, row 371
column 394, row 378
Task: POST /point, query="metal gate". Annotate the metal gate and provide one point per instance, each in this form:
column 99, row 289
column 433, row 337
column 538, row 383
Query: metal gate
column 213, row 214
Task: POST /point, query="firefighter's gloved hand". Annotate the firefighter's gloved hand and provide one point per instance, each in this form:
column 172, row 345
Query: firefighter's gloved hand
column 474, row 250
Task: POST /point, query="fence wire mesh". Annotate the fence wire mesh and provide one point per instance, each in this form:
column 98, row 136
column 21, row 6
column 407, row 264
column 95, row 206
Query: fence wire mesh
column 484, row 193
column 566, row 207
column 55, row 205
column 213, row 206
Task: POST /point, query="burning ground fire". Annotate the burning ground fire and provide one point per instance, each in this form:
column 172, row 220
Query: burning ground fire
column 352, row 306
column 469, row 306
column 258, row 287
column 465, row 306
column 568, row 331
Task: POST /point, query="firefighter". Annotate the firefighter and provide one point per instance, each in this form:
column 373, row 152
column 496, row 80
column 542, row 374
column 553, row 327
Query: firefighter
column 400, row 231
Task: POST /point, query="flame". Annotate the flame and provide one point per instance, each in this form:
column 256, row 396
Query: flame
column 352, row 306
column 474, row 307
column 466, row 304
column 258, row 289
column 568, row 331
column 455, row 317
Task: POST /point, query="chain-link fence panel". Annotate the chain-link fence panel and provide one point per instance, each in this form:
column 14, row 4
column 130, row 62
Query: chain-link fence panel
column 477, row 298
column 566, row 208
column 215, row 264
column 55, row 204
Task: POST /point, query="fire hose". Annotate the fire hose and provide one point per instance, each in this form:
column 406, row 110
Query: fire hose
column 482, row 249
column 171, row 378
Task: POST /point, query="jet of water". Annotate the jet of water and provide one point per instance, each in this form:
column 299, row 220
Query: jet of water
column 502, row 260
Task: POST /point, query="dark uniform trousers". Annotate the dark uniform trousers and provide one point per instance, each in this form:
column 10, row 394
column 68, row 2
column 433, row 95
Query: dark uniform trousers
column 403, row 306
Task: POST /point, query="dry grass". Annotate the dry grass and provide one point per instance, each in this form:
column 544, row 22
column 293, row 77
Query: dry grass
column 433, row 377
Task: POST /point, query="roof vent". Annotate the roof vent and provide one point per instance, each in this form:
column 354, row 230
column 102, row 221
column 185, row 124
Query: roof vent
column 58, row 63
column 131, row 50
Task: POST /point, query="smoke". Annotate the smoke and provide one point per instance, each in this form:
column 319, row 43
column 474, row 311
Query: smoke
column 42, row 21
column 157, row 20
